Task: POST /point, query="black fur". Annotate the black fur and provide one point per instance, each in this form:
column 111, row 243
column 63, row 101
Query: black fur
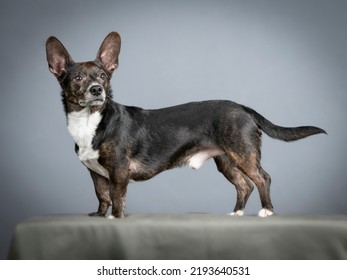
column 282, row 133
column 136, row 144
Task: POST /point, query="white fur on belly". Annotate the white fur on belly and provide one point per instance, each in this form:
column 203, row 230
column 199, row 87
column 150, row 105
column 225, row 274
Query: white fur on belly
column 197, row 160
column 82, row 126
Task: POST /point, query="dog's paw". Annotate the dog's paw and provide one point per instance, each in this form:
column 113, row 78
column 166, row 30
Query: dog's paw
column 110, row 217
column 237, row 213
column 265, row 213
column 96, row 214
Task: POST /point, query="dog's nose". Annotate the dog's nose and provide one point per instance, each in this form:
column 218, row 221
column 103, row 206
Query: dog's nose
column 96, row 90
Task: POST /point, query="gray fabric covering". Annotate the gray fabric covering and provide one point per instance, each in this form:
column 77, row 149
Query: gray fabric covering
column 186, row 236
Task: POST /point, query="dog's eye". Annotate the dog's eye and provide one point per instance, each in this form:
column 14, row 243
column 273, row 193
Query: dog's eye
column 103, row 76
column 78, row 78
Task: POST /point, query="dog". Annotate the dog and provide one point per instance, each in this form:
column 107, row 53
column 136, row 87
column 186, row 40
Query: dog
column 121, row 144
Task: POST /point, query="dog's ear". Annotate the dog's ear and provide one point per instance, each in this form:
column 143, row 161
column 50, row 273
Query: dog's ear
column 109, row 51
column 58, row 57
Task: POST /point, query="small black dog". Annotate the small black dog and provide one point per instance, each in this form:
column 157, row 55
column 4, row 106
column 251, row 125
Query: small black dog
column 120, row 144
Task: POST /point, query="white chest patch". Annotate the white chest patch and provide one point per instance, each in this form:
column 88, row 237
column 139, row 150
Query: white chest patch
column 82, row 126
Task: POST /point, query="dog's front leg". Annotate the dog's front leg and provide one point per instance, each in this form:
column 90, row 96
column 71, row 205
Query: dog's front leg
column 102, row 187
column 118, row 195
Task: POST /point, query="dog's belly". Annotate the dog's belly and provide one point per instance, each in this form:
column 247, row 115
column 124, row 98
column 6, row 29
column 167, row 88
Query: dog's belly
column 197, row 160
column 140, row 171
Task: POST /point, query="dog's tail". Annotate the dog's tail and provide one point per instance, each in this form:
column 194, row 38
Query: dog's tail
column 282, row 133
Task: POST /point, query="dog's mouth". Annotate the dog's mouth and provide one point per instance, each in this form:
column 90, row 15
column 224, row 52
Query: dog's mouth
column 93, row 101
column 94, row 96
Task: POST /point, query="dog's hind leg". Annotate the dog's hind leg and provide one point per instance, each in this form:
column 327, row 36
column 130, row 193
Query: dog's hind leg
column 102, row 189
column 264, row 191
column 242, row 183
column 250, row 165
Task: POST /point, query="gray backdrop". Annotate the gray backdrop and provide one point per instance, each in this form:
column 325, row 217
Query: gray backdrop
column 285, row 59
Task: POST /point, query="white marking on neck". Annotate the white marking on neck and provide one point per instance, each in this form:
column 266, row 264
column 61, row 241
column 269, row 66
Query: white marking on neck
column 82, row 126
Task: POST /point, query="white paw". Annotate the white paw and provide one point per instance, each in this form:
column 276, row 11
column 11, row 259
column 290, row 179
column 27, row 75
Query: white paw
column 237, row 213
column 265, row 213
column 110, row 217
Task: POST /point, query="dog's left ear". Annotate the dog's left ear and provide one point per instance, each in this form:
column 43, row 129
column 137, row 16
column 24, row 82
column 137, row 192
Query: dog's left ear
column 109, row 51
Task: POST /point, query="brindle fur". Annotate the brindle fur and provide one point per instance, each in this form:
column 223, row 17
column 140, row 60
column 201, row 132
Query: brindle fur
column 136, row 144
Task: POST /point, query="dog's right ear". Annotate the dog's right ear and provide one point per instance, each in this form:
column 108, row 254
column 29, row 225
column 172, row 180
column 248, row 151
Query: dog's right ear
column 58, row 57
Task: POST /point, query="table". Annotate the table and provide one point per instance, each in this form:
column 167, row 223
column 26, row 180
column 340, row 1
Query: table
column 180, row 236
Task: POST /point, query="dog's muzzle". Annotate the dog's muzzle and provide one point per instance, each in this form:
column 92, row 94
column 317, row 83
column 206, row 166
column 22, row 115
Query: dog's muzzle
column 96, row 90
column 94, row 96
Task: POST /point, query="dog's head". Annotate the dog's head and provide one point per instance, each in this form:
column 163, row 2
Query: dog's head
column 85, row 84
